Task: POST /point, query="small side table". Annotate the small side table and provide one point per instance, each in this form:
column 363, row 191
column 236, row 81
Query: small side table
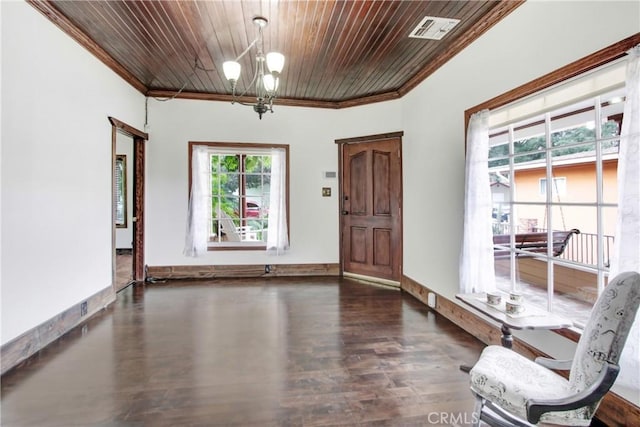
column 532, row 318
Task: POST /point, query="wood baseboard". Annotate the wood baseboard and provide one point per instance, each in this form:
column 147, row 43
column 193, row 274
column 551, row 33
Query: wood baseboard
column 239, row 271
column 21, row 348
column 614, row 410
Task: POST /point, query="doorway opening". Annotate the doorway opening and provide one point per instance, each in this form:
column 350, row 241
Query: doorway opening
column 127, row 152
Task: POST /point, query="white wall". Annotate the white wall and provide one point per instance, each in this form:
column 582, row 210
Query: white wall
column 56, row 168
column 309, row 132
column 1, row 81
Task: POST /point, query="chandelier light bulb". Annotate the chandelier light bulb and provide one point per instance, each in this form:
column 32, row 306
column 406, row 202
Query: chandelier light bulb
column 231, row 70
column 275, row 62
column 270, row 83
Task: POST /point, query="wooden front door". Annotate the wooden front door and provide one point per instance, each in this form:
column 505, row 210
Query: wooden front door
column 371, row 208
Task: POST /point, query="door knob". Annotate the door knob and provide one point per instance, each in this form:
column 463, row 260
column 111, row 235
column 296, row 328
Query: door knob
column 345, row 212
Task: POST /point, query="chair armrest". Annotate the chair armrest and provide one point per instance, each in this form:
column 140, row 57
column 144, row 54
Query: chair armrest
column 592, row 394
column 559, row 365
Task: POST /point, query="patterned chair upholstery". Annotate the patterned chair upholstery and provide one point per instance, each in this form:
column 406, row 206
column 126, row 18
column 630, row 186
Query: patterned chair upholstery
column 512, row 390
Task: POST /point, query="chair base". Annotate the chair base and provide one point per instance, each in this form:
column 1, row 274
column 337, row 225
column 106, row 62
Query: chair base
column 494, row 416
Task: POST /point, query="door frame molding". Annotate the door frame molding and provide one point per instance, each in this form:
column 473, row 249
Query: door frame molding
column 341, row 143
column 139, row 140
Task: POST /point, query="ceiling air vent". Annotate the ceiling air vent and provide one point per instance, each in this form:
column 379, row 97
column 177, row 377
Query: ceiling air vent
column 433, row 28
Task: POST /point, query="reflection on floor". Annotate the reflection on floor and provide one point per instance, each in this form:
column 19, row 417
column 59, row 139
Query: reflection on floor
column 124, row 268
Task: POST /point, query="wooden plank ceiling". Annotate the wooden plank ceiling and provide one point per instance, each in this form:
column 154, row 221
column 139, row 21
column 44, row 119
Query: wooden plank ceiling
column 338, row 53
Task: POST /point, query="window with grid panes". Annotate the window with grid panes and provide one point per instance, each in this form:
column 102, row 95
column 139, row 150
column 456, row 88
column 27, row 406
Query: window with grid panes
column 560, row 167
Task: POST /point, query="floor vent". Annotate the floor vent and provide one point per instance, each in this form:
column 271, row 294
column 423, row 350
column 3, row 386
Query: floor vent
column 433, row 28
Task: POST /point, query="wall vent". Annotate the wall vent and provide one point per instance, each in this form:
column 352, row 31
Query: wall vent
column 433, row 28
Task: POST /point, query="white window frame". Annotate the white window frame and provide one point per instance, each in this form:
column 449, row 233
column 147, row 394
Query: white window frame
column 248, row 236
column 600, row 269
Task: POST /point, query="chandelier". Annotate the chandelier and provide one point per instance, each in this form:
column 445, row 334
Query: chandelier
column 266, row 84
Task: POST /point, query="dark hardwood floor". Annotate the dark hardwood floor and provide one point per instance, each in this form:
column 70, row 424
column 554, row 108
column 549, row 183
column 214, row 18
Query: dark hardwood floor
column 275, row 352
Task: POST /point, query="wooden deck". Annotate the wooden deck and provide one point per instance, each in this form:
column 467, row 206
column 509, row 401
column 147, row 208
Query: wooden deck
column 575, row 283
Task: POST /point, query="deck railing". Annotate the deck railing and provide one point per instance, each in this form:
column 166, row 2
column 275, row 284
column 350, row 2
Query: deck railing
column 582, row 248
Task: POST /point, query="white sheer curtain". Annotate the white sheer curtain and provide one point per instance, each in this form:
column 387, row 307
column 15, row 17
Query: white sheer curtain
column 277, row 233
column 476, row 259
column 199, row 203
column 627, row 248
